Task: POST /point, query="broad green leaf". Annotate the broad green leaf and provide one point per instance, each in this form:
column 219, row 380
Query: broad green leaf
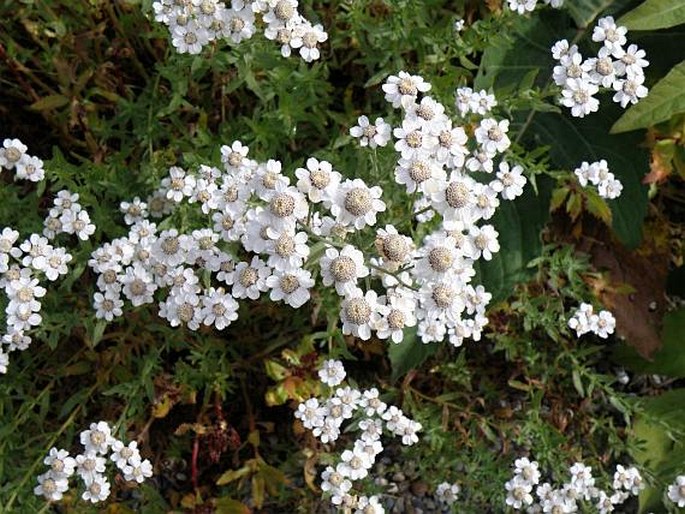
column 655, row 14
column 518, row 223
column 662, row 451
column 665, row 99
column 409, row 354
column 670, row 359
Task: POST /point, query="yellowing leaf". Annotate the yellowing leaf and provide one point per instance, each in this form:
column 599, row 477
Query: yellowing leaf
column 232, row 475
column 50, row 102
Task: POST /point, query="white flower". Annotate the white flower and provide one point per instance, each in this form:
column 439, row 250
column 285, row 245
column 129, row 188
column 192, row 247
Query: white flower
column 333, row 481
column 51, row 487
column 369, row 505
column 359, row 313
column 455, row 198
column 138, row 285
column 61, row 464
column 459, row 25
column 311, row 413
column 307, row 39
column 98, row 438
column 371, row 404
column 603, row 69
column 286, row 250
column 580, row 321
column 603, row 324
column 219, row 308
column 412, row 140
column 11, row 153
column 577, row 95
column 30, row 168
column 676, row 491
column 372, row 135
column 354, row 465
column 89, row 465
column 238, row 24
column 522, row 6
column 97, row 490
column 123, row 454
column 492, row 135
column 332, row 372
column 357, row 204
column 249, row 279
column 400, row 313
column 571, row 66
column 189, row 38
column 137, row 470
column 528, row 470
column 402, row 90
column 483, row 242
column 509, row 182
column 518, row 492
column 77, row 223
column 291, row 286
column 8, row 237
column 447, row 493
column 629, row 90
column 607, row 32
column 632, row 61
column 343, row 268
column 318, row 181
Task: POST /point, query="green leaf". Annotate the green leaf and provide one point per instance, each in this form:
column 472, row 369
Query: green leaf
column 518, row 223
column 670, row 359
column 50, row 102
column 665, row 99
column 656, row 445
column 409, row 354
column 655, row 14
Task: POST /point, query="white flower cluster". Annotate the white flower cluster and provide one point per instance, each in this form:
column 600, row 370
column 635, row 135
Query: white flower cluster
column 524, row 6
column 585, row 320
column 90, row 465
column 676, row 491
column 598, row 174
column 195, row 23
column 24, row 264
column 614, row 67
column 430, row 285
column 13, row 156
column 580, row 487
column 371, row 417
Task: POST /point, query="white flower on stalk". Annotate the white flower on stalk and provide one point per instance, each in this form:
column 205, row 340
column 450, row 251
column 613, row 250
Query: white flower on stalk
column 629, row 90
column 522, row 6
column 189, row 38
column 603, row 70
column 16, row 340
column 319, row 181
column 138, row 285
column 123, row 454
column 11, row 153
column 137, row 470
column 61, row 464
column 49, row 486
column 343, row 268
column 632, row 61
column 603, row 324
column 97, row 489
column 611, row 35
column 77, row 223
column 400, row 314
column 354, row 465
column 249, row 279
column 369, row 505
column 420, row 173
column 492, row 135
column 578, row 96
column 360, row 313
column 676, row 491
column 307, row 39
column 371, row 135
column 372, row 405
column 218, row 308
column 402, row 89
column 291, row 286
column 332, row 372
column 412, row 139
column 30, row 168
column 447, row 493
column 509, row 182
column 311, row 413
column 108, row 305
column 97, row 438
column 239, row 24
column 483, row 242
column 287, row 250
column 518, row 492
column 571, row 66
column 357, row 204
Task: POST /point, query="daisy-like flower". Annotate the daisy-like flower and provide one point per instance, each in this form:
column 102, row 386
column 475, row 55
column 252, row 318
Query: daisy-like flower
column 11, row 152
column 332, row 372
column 354, row 465
column 603, row 324
column 189, row 38
column 287, row 250
column 89, row 465
column 108, row 305
column 632, row 61
column 249, row 279
column 676, row 491
column 311, row 413
column 510, row 181
column 527, row 469
column 420, row 173
column 291, row 286
column 607, row 32
column 332, row 480
column 318, row 181
column 134, row 211
column 343, row 268
column 577, row 95
column 518, row 492
column 628, row 479
column 451, row 149
column 138, row 285
column 97, row 489
column 483, row 242
column 369, row 505
column 412, row 139
column 441, row 301
column 180, row 185
column 307, row 39
column 357, row 204
column 603, row 70
column 49, row 486
column 629, row 90
column 372, row 405
column 402, row 90
column 56, row 263
column 238, row 24
column 137, row 470
column 16, row 340
column 234, row 156
column 280, row 12
column 447, row 493
column 286, row 206
column 372, row 135
column 436, row 258
column 97, row 438
column 570, row 67
column 123, row 454
column 30, row 168
column 562, row 49
column 77, row 223
column 399, row 315
column 359, row 313
column 61, row 464
column 455, row 199
column 219, row 308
